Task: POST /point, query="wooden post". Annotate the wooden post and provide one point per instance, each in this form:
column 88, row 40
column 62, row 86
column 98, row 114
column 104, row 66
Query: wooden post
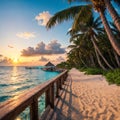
column 62, row 79
column 60, row 83
column 47, row 98
column 57, row 88
column 34, row 110
column 52, row 95
column 66, row 74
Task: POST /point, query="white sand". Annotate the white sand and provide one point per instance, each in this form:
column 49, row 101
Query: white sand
column 96, row 99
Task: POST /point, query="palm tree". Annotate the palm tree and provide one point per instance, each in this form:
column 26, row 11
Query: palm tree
column 117, row 35
column 99, row 6
column 115, row 44
column 80, row 50
column 91, row 31
column 85, row 51
column 107, row 3
column 78, row 13
column 72, row 58
column 115, row 31
column 113, row 13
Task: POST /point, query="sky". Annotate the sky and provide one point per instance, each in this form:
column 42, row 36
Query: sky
column 24, row 39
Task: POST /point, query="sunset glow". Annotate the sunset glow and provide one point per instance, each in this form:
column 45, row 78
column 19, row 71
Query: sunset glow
column 24, row 37
column 15, row 60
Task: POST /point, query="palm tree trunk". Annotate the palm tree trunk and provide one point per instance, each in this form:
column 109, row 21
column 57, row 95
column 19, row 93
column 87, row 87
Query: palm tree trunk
column 113, row 13
column 108, row 30
column 96, row 47
column 112, row 60
column 98, row 59
column 92, row 60
column 82, row 61
column 104, row 59
column 117, row 58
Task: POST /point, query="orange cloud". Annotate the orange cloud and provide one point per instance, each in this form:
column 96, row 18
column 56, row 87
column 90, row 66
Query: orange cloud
column 5, row 61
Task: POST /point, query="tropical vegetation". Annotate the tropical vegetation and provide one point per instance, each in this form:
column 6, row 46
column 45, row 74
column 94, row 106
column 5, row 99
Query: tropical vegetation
column 95, row 42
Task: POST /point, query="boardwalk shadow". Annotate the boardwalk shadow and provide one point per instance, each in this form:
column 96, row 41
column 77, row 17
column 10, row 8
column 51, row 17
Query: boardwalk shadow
column 64, row 108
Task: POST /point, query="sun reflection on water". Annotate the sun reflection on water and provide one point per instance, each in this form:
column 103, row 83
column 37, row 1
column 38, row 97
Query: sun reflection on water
column 15, row 81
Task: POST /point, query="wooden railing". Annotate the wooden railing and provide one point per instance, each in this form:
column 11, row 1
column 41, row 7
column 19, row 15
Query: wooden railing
column 10, row 109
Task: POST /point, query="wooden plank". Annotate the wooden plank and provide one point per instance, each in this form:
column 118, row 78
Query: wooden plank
column 52, row 96
column 47, row 98
column 60, row 83
column 57, row 89
column 34, row 110
column 62, row 79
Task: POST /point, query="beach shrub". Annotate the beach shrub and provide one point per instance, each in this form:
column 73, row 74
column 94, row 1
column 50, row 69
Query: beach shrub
column 64, row 65
column 113, row 76
column 92, row 71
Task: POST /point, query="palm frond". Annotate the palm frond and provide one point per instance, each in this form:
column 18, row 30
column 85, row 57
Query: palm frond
column 117, row 1
column 97, row 22
column 75, row 36
column 63, row 15
column 78, row 1
column 72, row 46
column 83, row 16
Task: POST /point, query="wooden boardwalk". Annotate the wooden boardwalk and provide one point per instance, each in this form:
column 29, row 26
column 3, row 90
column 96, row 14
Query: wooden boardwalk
column 66, row 106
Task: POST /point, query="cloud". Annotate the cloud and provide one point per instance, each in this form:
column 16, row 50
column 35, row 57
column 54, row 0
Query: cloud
column 55, row 48
column 10, row 46
column 60, row 59
column 43, row 59
column 25, row 35
column 5, row 61
column 43, row 18
column 42, row 49
column 1, row 55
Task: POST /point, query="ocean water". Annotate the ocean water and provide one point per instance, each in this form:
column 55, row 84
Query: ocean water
column 14, row 80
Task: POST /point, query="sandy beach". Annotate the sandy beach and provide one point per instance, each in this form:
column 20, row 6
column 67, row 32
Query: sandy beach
column 87, row 97
column 97, row 100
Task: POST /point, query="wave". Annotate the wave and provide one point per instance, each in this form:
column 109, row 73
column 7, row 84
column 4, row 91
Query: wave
column 22, row 88
column 14, row 80
column 3, row 85
column 2, row 73
column 3, row 98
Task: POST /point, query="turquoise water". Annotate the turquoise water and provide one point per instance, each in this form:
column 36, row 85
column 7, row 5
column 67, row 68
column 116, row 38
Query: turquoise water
column 14, row 80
